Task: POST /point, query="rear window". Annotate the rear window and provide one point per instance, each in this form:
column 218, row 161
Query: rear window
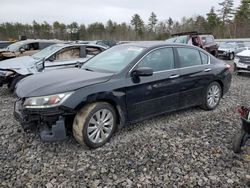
column 207, row 39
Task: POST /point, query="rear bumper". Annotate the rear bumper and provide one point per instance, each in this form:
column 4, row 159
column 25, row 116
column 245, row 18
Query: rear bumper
column 224, row 55
column 50, row 127
column 241, row 65
column 242, row 68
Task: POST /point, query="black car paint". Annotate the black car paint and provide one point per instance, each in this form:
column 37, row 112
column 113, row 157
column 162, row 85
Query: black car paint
column 64, row 79
column 134, row 98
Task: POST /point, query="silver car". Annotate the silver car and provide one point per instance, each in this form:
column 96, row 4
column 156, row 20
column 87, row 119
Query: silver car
column 228, row 50
column 53, row 57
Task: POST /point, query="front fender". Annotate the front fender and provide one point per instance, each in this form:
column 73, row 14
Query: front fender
column 115, row 98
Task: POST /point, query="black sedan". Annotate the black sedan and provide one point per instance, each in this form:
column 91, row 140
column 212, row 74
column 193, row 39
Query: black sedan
column 124, row 84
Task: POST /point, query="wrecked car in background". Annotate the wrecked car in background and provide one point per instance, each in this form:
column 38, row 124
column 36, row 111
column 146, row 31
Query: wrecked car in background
column 124, row 84
column 242, row 60
column 229, row 49
column 25, row 47
column 53, row 57
column 204, row 41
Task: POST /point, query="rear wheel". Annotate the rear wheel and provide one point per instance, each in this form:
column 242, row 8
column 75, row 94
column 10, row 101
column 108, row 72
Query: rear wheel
column 94, row 124
column 212, row 96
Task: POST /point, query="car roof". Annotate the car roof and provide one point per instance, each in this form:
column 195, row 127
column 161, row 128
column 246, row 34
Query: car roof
column 37, row 40
column 154, row 44
column 79, row 44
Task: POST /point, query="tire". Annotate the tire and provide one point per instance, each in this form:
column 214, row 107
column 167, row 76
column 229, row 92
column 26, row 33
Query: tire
column 231, row 56
column 212, row 96
column 14, row 82
column 235, row 67
column 238, row 141
column 85, row 124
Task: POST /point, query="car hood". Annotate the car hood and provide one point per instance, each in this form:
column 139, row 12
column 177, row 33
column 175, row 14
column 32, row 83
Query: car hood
column 3, row 50
column 59, row 81
column 226, row 49
column 244, row 53
column 18, row 63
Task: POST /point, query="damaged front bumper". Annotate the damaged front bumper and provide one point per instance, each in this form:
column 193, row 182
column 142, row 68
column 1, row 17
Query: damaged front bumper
column 5, row 79
column 48, row 123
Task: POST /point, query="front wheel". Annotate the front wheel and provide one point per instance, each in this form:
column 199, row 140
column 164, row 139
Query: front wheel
column 94, row 124
column 239, row 141
column 212, row 96
column 14, row 82
column 231, row 56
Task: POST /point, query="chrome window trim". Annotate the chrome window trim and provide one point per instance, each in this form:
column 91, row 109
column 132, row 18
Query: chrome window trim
column 209, row 59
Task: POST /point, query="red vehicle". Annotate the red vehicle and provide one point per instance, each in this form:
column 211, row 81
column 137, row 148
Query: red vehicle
column 244, row 134
column 204, row 41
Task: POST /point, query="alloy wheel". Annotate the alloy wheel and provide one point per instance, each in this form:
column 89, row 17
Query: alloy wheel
column 100, row 126
column 213, row 96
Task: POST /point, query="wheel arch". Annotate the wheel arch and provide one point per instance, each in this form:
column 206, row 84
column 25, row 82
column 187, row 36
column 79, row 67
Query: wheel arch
column 115, row 102
column 221, row 85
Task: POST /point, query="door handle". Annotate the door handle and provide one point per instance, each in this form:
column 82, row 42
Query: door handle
column 174, row 76
column 207, row 70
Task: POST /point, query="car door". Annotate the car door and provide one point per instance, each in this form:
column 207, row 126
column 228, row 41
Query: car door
column 195, row 75
column 67, row 57
column 148, row 96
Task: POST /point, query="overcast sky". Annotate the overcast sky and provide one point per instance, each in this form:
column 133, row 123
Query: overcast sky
column 89, row 11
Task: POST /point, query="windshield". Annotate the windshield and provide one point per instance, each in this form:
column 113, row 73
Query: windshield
column 15, row 47
column 47, row 51
column 227, row 45
column 114, row 59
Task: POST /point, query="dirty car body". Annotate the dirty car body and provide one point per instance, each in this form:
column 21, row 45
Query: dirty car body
column 163, row 86
column 56, row 56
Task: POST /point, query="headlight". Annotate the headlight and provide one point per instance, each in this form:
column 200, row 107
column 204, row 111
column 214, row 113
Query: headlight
column 46, row 101
column 8, row 73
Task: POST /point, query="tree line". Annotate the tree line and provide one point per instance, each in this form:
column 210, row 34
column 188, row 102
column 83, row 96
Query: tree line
column 226, row 22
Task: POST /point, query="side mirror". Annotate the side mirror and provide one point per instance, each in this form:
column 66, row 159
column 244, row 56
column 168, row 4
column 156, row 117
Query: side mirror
column 78, row 64
column 21, row 50
column 142, row 71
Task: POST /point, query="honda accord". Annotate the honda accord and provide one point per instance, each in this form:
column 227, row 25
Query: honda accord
column 126, row 83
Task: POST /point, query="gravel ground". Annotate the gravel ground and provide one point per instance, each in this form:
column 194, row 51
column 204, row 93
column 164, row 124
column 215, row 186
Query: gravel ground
column 189, row 148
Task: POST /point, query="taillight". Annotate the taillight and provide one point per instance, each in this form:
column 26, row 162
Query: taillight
column 228, row 66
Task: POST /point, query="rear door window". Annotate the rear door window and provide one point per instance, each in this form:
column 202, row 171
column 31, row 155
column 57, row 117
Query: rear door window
column 68, row 53
column 204, row 58
column 31, row 46
column 188, row 57
column 92, row 50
